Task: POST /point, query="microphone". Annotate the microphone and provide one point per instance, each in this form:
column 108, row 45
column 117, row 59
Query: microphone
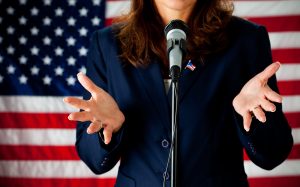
column 176, row 32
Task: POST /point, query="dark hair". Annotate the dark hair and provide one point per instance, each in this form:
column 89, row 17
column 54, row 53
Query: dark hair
column 141, row 31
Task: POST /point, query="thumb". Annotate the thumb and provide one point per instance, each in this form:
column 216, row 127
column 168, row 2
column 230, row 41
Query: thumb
column 107, row 134
column 247, row 119
column 269, row 71
column 93, row 127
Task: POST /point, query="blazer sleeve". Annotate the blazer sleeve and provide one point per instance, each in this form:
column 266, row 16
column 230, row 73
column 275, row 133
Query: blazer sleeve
column 267, row 144
column 98, row 156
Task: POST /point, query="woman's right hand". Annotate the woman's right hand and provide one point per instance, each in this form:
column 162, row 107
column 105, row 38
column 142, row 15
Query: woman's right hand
column 101, row 110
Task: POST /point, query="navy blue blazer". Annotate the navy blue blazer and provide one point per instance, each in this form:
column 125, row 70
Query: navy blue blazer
column 211, row 134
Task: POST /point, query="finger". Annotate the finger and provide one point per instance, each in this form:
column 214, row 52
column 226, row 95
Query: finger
column 247, row 119
column 259, row 114
column 107, row 134
column 88, row 84
column 94, row 127
column 267, row 105
column 273, row 96
column 76, row 102
column 269, row 71
column 80, row 116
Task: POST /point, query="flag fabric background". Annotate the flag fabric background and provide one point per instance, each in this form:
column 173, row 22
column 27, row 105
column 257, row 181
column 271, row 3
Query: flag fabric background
column 43, row 45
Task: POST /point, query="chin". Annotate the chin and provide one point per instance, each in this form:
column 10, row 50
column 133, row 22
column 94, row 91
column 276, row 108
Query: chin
column 179, row 4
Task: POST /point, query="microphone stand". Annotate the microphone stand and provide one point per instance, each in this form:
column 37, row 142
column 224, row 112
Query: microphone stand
column 175, row 72
column 176, row 47
column 174, row 167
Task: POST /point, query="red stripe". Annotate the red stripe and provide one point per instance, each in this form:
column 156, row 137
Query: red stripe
column 295, row 153
column 286, row 55
column 293, row 119
column 279, row 23
column 42, row 120
column 289, row 87
column 275, row 182
column 35, row 120
column 108, row 21
column 51, row 182
column 13, row 152
column 293, row 181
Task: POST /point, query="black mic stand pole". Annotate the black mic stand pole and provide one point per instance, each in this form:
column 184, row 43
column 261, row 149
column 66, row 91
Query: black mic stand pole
column 174, row 168
column 175, row 75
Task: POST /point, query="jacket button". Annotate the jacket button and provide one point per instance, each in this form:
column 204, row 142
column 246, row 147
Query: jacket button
column 165, row 143
column 103, row 163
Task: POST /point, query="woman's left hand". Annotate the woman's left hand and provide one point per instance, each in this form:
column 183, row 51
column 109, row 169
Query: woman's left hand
column 256, row 97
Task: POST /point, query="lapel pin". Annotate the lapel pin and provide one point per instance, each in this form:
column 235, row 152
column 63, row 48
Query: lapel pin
column 190, row 66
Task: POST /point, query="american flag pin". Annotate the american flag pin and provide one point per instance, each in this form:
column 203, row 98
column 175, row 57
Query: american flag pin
column 190, row 66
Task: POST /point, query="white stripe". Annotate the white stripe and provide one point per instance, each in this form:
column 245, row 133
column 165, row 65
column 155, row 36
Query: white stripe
column 242, row 8
column 59, row 137
column 116, row 8
column 291, row 103
column 50, row 169
column 296, row 135
column 34, row 104
column 280, row 40
column 77, row 169
column 266, row 8
column 37, row 137
column 287, row 168
column 288, row 72
column 56, row 105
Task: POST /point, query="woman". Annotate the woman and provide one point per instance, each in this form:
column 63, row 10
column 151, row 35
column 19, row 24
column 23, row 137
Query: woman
column 233, row 81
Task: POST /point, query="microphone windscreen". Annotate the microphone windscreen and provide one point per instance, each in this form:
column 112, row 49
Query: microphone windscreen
column 176, row 24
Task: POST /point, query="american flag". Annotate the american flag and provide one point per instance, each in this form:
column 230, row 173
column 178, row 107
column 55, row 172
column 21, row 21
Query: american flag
column 43, row 45
column 190, row 66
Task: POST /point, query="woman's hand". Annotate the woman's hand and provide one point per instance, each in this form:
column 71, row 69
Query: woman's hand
column 101, row 110
column 256, row 97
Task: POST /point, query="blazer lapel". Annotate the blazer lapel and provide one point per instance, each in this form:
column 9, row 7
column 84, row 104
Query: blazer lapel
column 154, row 85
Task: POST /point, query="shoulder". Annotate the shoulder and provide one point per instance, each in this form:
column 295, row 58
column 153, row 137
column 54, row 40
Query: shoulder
column 106, row 35
column 105, row 40
column 250, row 42
column 240, row 27
column 241, row 24
column 246, row 33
